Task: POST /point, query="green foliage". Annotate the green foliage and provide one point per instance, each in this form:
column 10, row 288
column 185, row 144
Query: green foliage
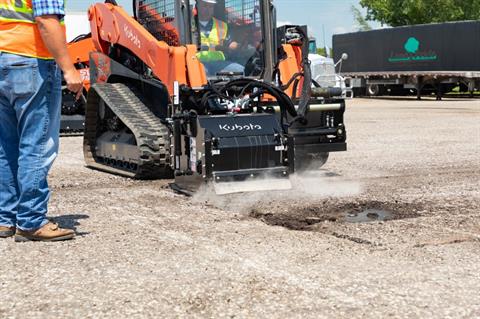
column 361, row 22
column 322, row 52
column 406, row 12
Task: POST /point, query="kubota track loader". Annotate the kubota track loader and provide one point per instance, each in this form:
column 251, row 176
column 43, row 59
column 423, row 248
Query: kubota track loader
column 163, row 103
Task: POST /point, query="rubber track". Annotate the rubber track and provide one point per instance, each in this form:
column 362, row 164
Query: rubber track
column 151, row 134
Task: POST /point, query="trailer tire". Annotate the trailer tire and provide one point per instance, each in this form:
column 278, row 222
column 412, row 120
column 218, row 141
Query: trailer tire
column 374, row 90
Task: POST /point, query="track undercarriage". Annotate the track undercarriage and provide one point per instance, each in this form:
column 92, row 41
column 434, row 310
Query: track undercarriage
column 123, row 136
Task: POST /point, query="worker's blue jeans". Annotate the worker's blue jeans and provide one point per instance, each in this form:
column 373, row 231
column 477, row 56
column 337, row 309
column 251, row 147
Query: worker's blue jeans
column 30, row 99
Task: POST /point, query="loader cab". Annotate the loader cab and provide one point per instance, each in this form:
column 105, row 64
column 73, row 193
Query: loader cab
column 232, row 36
column 229, row 36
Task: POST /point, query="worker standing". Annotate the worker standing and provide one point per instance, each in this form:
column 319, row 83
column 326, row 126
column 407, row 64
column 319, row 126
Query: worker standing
column 33, row 53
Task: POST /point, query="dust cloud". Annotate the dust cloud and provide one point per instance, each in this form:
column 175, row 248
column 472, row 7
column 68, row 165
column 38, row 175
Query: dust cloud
column 307, row 186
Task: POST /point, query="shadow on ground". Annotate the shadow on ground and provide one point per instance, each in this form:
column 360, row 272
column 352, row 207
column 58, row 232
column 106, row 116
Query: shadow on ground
column 71, row 222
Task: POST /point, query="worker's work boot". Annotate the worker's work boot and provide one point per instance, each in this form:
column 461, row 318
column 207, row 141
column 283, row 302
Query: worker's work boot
column 49, row 232
column 6, row 231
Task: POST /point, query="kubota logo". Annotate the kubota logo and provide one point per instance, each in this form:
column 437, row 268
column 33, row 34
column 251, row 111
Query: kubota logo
column 236, row 127
column 132, row 36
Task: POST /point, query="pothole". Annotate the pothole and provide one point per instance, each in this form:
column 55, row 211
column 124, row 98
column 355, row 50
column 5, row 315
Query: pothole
column 305, row 217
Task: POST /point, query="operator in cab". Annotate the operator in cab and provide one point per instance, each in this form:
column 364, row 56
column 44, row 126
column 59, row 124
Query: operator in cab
column 215, row 41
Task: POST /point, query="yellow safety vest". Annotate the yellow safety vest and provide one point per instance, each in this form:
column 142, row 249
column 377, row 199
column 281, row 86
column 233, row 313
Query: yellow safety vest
column 217, row 36
column 19, row 33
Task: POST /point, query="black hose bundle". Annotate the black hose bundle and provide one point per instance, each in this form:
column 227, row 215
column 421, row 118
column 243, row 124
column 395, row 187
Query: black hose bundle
column 255, row 89
column 284, row 101
column 134, row 9
column 241, row 86
column 306, row 73
column 307, row 79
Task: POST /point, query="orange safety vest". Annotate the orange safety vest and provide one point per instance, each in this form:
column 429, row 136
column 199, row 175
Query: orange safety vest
column 19, row 33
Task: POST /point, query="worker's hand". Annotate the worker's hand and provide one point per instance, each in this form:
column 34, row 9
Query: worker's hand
column 233, row 45
column 74, row 81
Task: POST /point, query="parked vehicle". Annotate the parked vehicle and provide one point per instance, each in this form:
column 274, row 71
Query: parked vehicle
column 420, row 58
column 323, row 71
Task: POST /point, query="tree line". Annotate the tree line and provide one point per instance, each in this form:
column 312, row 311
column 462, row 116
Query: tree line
column 396, row 13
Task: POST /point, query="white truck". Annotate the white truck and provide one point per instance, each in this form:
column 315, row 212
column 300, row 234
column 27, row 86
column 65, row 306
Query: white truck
column 323, row 71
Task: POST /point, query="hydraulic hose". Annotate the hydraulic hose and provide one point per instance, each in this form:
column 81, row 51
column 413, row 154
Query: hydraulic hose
column 283, row 99
column 292, row 79
column 307, row 79
column 134, row 9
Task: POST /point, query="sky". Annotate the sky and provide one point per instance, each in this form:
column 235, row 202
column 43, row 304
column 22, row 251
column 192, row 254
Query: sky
column 331, row 16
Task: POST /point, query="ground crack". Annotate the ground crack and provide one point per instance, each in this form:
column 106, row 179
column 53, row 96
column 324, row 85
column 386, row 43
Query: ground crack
column 356, row 240
column 449, row 242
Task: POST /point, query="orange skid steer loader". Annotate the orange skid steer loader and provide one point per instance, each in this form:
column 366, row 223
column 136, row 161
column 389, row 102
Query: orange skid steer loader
column 206, row 91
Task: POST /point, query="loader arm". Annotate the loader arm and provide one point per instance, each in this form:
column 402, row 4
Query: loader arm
column 111, row 25
column 80, row 50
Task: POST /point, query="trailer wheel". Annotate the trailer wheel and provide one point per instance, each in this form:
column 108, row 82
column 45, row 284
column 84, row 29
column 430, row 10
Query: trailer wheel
column 374, row 90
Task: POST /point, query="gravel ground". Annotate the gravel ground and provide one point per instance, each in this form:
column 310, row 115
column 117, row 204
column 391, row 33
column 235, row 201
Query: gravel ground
column 144, row 252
